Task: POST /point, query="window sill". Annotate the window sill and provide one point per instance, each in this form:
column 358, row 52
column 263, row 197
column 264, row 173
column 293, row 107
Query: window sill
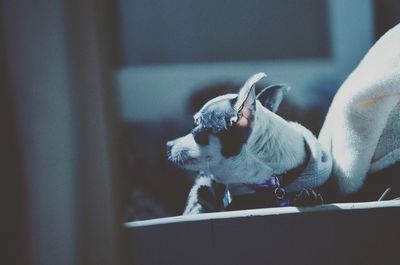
column 361, row 233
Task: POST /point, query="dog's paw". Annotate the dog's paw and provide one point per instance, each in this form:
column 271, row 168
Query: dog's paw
column 307, row 197
column 205, row 196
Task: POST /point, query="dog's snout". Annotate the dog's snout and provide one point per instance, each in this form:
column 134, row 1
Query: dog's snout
column 170, row 144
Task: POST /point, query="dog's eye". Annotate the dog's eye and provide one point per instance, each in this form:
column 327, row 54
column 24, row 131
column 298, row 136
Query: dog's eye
column 200, row 135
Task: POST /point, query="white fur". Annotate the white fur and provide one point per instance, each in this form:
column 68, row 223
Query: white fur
column 275, row 142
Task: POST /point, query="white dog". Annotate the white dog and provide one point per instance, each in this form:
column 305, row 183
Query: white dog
column 238, row 140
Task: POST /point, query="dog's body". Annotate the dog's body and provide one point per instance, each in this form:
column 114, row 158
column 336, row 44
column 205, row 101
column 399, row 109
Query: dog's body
column 238, row 140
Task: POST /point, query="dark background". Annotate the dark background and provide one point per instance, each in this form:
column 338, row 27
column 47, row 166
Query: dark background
column 179, row 31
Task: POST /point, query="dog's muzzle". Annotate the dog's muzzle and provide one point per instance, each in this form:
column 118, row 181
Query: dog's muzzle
column 169, row 145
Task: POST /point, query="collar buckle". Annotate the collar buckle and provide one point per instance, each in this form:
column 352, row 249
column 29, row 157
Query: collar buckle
column 280, row 192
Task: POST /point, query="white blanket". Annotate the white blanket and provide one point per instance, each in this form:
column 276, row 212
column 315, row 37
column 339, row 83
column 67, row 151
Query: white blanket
column 362, row 128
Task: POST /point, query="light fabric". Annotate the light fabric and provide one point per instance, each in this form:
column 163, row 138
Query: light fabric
column 362, row 127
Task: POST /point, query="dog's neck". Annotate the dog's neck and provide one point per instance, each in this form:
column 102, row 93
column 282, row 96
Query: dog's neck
column 276, row 142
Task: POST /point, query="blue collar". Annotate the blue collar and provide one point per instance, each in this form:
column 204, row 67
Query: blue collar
column 273, row 184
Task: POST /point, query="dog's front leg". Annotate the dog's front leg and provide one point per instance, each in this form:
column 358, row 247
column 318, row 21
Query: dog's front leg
column 205, row 196
column 307, row 197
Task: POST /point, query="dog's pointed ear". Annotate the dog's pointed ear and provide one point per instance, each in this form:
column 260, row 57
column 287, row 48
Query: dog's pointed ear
column 245, row 104
column 271, row 97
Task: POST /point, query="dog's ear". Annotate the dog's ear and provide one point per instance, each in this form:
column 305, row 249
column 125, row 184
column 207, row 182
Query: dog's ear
column 271, row 97
column 245, row 104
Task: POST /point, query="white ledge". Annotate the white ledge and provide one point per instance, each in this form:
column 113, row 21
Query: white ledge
column 264, row 212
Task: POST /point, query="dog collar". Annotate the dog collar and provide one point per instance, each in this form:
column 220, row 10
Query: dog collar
column 278, row 182
column 274, row 185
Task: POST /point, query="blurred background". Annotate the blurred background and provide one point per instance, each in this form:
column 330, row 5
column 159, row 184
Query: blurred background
column 92, row 90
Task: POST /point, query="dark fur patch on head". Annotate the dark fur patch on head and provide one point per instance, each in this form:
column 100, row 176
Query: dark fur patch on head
column 216, row 119
column 232, row 140
column 201, row 135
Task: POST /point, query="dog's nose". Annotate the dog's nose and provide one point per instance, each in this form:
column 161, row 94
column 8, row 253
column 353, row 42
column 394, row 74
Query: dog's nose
column 169, row 145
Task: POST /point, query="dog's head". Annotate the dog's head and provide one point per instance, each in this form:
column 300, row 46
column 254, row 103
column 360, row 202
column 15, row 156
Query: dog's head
column 222, row 127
